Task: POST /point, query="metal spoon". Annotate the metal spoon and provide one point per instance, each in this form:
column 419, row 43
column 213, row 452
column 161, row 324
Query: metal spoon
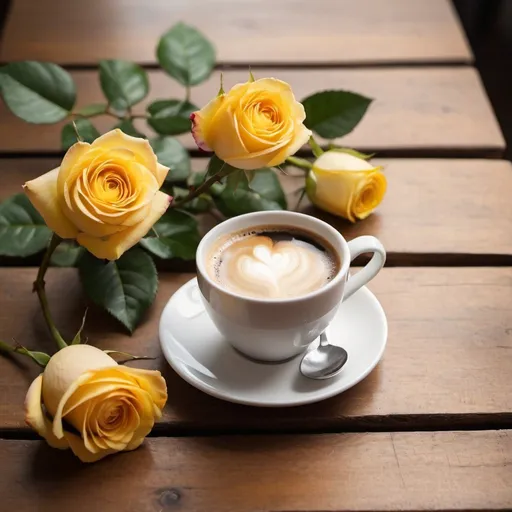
column 323, row 362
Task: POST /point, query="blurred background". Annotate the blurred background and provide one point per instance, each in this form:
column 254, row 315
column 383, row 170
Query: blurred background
column 487, row 24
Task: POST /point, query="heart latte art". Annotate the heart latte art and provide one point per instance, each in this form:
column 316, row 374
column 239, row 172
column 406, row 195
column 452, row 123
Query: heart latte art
column 268, row 266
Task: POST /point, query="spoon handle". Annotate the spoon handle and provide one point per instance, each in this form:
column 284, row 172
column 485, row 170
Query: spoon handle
column 323, row 339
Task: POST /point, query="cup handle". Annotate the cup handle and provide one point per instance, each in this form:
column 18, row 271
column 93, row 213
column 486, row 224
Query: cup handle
column 358, row 246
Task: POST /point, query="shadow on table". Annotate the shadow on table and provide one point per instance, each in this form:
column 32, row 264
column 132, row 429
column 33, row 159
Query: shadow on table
column 192, row 412
column 62, row 466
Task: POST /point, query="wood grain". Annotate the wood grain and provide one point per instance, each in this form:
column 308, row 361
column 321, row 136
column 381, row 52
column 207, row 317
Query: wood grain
column 247, row 32
column 427, row 111
column 397, row 471
column 435, row 212
column 448, row 355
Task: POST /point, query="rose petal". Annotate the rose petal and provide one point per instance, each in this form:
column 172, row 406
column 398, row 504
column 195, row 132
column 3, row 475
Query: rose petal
column 202, row 123
column 135, row 443
column 69, row 165
column 141, row 148
column 161, row 173
column 86, row 392
column 87, row 439
column 375, row 185
column 78, row 212
column 68, row 365
column 301, row 138
column 114, row 444
column 112, row 247
column 152, row 382
column 76, row 444
column 224, row 136
column 58, row 428
column 271, row 85
column 36, row 418
column 42, row 193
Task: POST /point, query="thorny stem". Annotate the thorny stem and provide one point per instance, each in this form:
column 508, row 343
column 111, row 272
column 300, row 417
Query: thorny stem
column 41, row 293
column 216, row 215
column 40, row 358
column 198, row 191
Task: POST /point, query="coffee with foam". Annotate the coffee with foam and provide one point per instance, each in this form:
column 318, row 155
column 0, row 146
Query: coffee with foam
column 272, row 262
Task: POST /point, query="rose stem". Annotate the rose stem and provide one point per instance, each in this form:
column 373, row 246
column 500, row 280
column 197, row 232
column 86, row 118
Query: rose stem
column 315, row 147
column 41, row 293
column 301, row 163
column 216, row 215
column 198, row 191
column 22, row 351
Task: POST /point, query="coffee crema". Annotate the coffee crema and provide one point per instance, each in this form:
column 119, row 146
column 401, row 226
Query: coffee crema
column 275, row 262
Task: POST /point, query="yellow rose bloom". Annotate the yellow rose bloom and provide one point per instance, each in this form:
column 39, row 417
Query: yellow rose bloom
column 256, row 124
column 345, row 185
column 105, row 194
column 111, row 408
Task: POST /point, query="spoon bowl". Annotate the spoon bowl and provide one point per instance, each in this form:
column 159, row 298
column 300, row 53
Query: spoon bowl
column 323, row 362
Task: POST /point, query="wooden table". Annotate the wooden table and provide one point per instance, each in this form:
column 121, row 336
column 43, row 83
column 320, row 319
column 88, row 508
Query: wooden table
column 431, row 427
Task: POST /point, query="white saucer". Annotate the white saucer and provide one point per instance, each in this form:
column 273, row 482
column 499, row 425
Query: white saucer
column 199, row 353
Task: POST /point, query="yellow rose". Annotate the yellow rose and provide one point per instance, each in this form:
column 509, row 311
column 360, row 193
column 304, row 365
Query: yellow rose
column 256, row 124
column 111, row 408
column 345, row 185
column 105, row 194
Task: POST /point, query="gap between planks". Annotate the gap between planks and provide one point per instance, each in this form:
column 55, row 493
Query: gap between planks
column 350, row 425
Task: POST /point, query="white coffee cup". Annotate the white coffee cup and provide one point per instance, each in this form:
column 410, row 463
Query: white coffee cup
column 278, row 329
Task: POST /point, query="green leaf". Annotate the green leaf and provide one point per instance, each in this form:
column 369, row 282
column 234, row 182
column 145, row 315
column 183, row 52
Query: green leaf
column 263, row 193
column 126, row 126
column 177, row 236
column 199, row 204
column 92, row 110
column 235, row 179
column 173, row 155
column 185, row 54
column 127, row 357
column 125, row 287
column 170, row 117
column 39, row 358
column 22, row 230
column 123, row 83
column 249, row 175
column 86, row 129
column 37, row 92
column 333, row 114
column 197, row 178
column 217, row 167
column 266, row 183
column 78, row 336
column 67, row 254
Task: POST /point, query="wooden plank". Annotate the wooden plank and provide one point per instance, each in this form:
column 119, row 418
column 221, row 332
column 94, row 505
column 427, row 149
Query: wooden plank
column 397, row 471
column 447, row 363
column 435, row 212
column 427, row 111
column 247, row 32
